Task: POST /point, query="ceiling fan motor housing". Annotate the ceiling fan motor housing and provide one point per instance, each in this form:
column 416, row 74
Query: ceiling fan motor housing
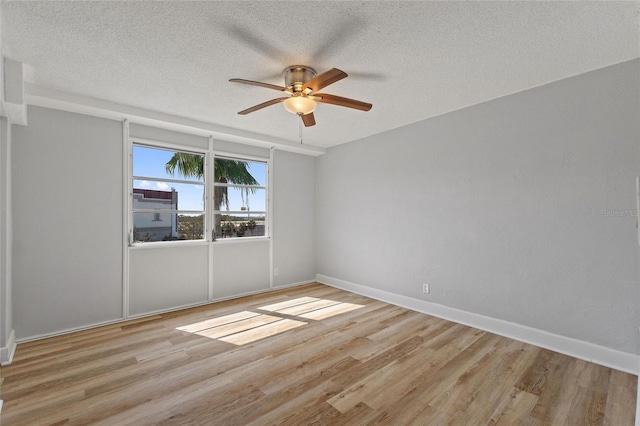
column 296, row 75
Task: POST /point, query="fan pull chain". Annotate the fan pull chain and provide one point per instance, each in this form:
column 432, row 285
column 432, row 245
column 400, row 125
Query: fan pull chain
column 300, row 128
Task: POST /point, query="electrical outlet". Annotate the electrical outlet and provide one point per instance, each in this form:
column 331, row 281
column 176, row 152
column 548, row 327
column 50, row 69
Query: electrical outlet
column 425, row 288
column 276, row 272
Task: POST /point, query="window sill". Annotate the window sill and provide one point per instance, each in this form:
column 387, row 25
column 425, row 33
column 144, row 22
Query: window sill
column 168, row 244
column 191, row 243
column 239, row 240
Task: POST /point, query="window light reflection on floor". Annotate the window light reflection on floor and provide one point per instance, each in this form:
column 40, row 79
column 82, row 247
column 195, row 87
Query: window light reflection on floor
column 241, row 327
column 311, row 308
column 245, row 327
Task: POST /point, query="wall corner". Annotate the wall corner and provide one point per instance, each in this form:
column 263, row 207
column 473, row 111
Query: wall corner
column 7, row 351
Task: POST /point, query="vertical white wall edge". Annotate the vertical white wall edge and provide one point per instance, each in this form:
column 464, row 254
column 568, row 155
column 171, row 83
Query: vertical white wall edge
column 7, row 332
column 638, row 207
column 638, row 230
column 270, row 213
column 210, row 217
column 126, row 219
column 638, row 399
column 7, row 352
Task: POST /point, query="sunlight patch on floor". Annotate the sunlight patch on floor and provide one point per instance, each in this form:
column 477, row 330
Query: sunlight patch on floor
column 311, row 308
column 241, row 327
column 215, row 322
column 245, row 327
column 258, row 333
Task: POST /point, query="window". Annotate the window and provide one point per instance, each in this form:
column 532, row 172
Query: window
column 168, row 196
column 173, row 199
column 240, row 197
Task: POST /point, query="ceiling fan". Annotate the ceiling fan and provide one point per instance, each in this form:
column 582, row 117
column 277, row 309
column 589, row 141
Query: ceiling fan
column 302, row 84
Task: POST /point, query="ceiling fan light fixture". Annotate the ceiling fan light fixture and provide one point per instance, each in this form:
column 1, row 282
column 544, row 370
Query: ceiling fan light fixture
column 302, row 84
column 299, row 105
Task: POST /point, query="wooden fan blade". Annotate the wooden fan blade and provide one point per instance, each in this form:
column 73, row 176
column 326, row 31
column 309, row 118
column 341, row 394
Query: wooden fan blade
column 324, row 79
column 308, row 120
column 257, row 83
column 262, row 105
column 340, row 101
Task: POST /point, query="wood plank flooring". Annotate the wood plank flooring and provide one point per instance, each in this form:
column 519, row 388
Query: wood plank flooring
column 307, row 355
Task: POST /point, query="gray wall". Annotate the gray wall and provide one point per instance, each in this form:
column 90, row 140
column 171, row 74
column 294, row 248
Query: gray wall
column 161, row 278
column 68, row 261
column 520, row 209
column 67, row 224
column 516, row 209
column 294, row 218
column 240, row 267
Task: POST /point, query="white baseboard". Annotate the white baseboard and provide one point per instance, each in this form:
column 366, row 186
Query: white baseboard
column 566, row 345
column 7, row 352
column 278, row 287
column 638, row 402
column 219, row 299
column 151, row 313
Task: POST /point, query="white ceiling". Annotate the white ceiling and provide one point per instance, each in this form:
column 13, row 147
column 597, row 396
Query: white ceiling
column 412, row 60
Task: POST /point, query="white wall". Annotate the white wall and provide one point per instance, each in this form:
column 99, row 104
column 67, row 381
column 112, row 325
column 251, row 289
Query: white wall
column 516, row 209
column 67, row 222
column 294, row 218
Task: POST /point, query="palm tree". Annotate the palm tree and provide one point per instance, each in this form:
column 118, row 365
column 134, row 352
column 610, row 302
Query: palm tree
column 224, row 170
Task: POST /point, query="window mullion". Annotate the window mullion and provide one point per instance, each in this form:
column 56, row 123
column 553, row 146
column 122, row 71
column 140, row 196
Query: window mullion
column 166, row 211
column 237, row 185
column 154, row 179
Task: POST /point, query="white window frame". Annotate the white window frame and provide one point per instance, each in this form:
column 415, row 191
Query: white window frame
column 265, row 187
column 152, row 144
column 209, row 214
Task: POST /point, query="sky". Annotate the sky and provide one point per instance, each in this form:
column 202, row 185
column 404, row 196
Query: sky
column 150, row 162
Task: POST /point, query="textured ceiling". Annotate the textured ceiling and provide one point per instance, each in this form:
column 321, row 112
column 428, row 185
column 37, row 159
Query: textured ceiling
column 412, row 60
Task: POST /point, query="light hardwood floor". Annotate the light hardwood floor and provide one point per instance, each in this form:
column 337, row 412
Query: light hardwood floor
column 306, row 355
